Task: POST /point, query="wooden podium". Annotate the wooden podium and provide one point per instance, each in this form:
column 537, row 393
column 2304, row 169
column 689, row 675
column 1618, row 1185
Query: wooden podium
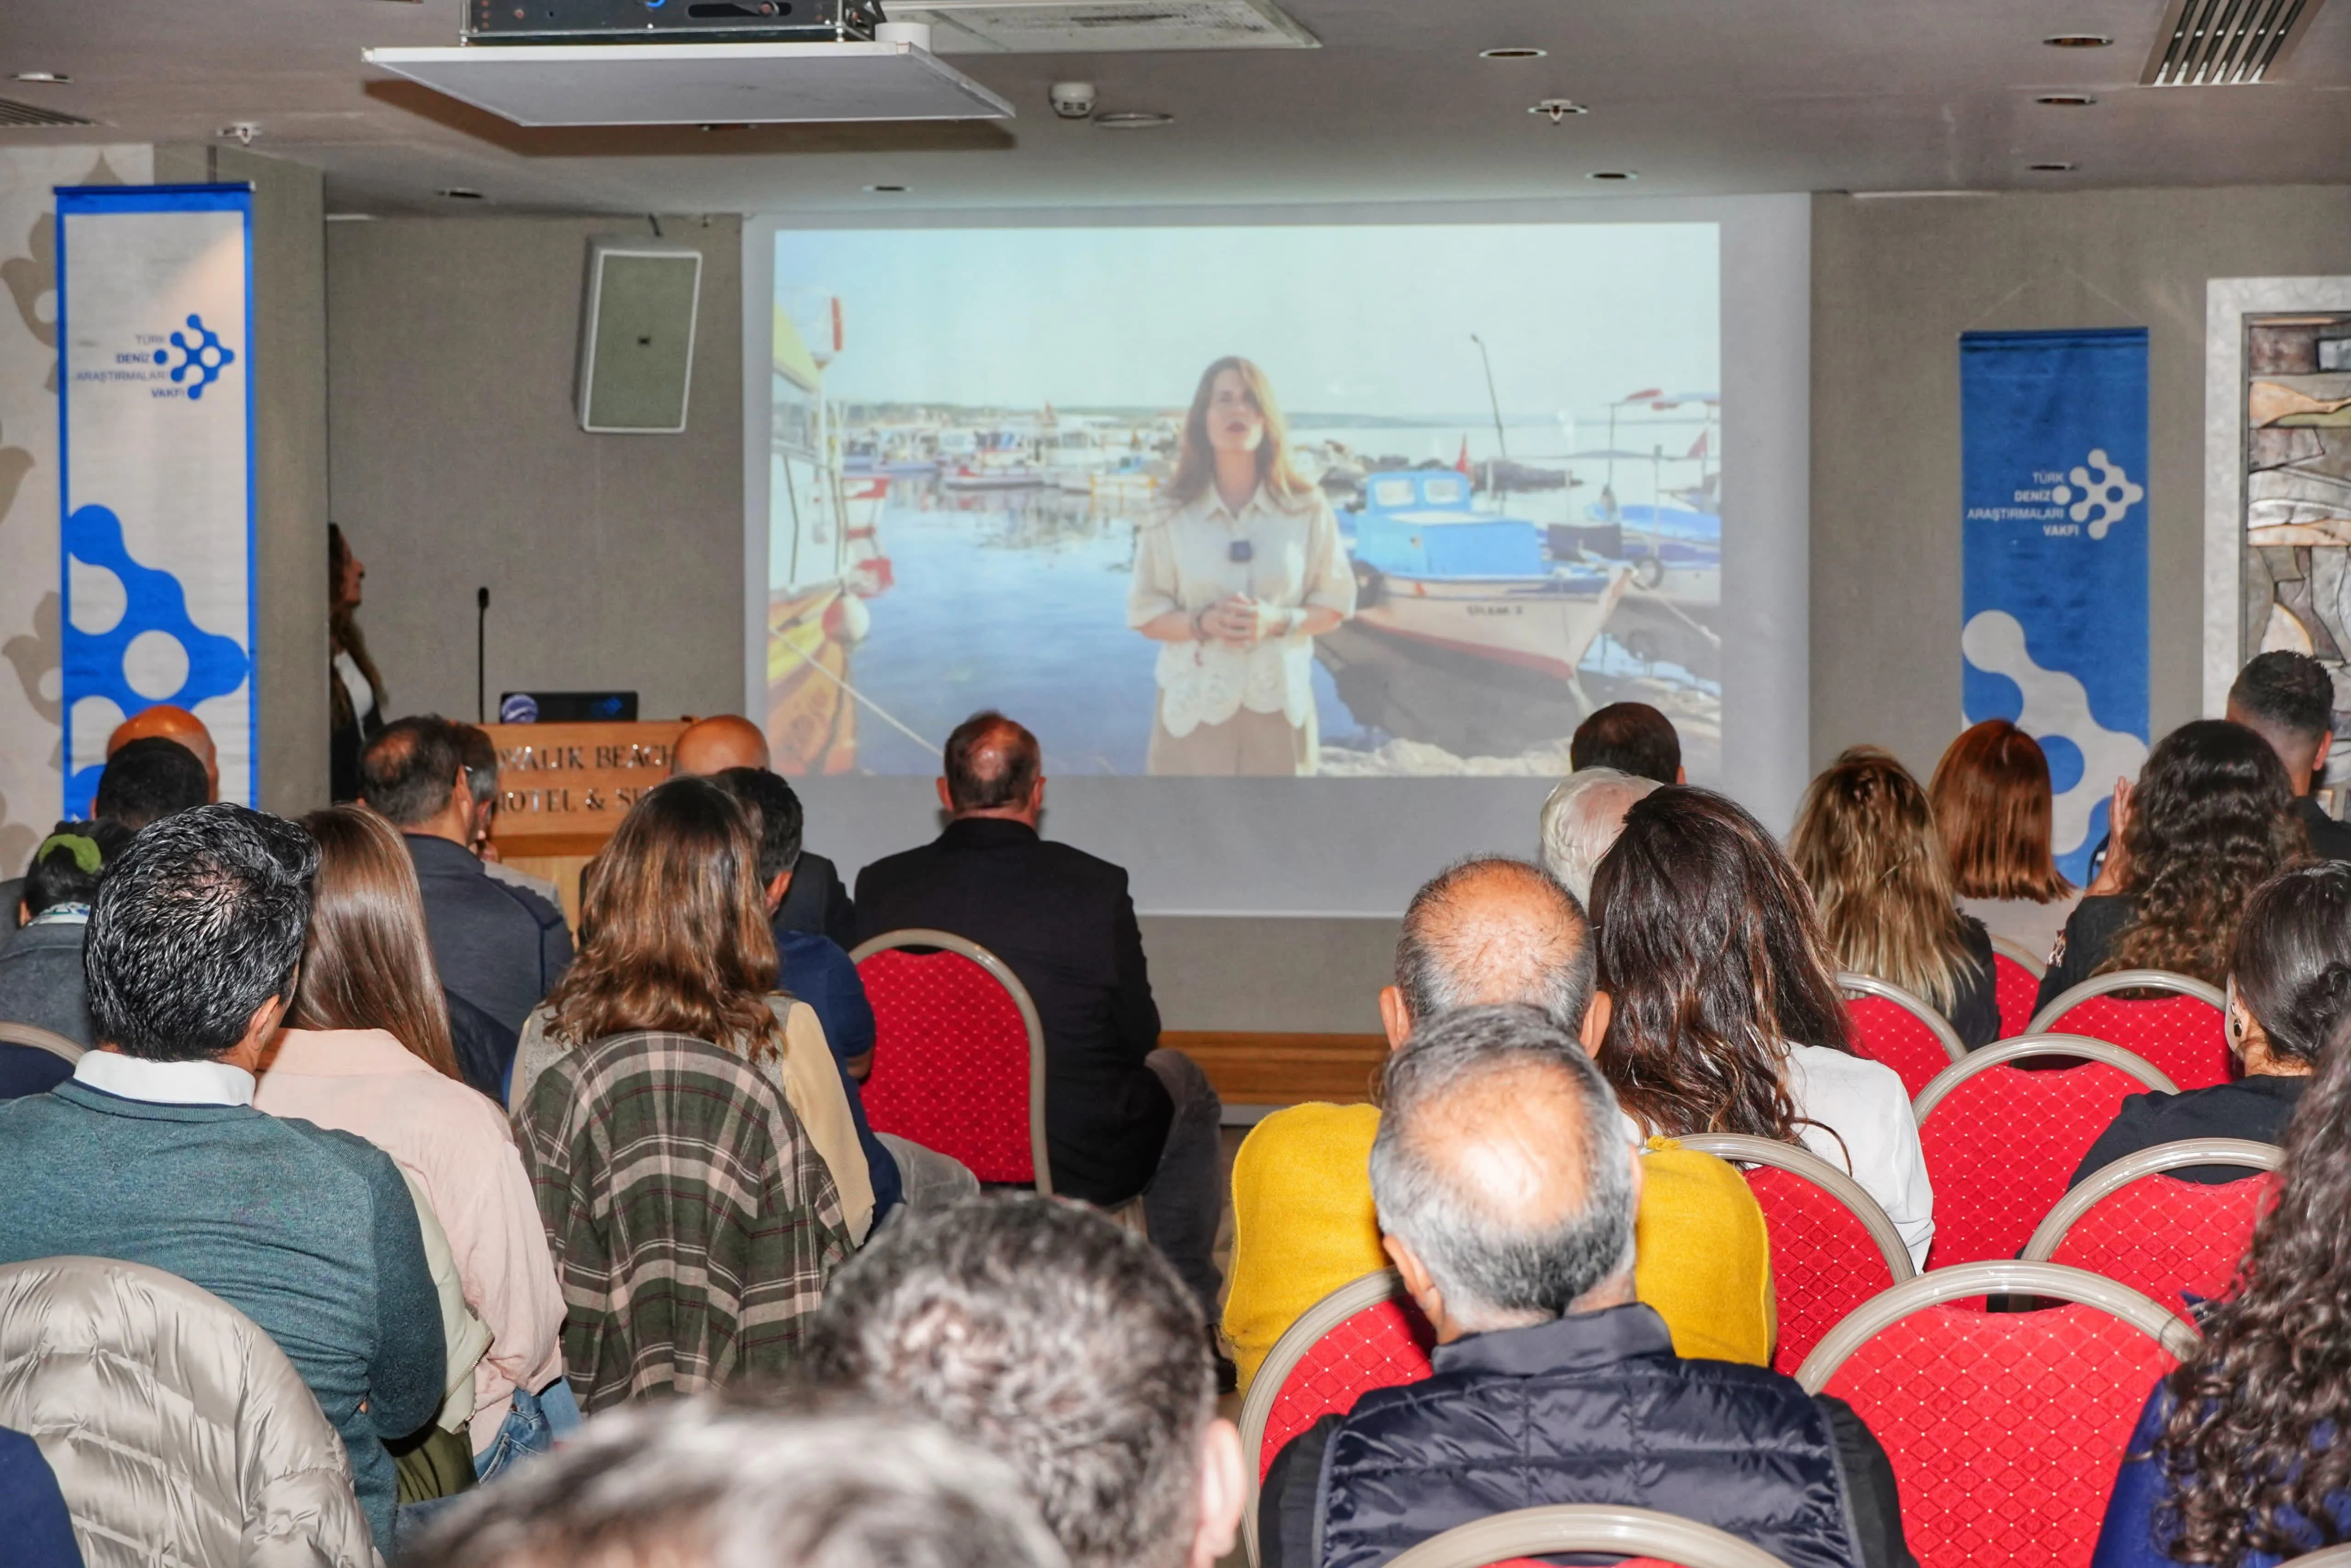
column 563, row 787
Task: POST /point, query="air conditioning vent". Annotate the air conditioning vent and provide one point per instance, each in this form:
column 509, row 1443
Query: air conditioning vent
column 15, row 113
column 1101, row 27
column 2226, row 43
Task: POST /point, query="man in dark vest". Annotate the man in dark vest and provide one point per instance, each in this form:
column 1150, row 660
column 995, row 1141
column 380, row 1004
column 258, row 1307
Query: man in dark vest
column 1506, row 1192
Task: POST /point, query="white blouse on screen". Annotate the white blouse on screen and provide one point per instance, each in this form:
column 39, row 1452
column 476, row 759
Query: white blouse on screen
column 1863, row 1105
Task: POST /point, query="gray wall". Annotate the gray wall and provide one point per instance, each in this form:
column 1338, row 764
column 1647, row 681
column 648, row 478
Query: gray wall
column 1895, row 282
column 457, row 460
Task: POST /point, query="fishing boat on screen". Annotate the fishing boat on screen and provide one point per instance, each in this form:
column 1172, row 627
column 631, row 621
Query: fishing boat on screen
column 1430, row 568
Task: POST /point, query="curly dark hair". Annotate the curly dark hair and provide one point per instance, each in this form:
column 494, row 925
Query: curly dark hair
column 1713, row 955
column 2241, row 1447
column 2212, row 820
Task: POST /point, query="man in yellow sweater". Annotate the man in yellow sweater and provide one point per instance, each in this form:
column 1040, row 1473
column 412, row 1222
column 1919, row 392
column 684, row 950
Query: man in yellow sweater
column 1489, row 930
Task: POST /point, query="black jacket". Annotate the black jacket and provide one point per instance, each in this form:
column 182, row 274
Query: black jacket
column 1063, row 921
column 2258, row 1108
column 499, row 946
column 41, row 981
column 2329, row 840
column 816, row 905
column 1975, row 1014
column 1594, row 1407
column 2089, row 937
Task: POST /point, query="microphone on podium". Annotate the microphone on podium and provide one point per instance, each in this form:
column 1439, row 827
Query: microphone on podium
column 481, row 677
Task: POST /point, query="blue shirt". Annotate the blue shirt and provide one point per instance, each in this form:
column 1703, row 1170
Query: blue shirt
column 33, row 1519
column 813, row 969
column 2127, row 1540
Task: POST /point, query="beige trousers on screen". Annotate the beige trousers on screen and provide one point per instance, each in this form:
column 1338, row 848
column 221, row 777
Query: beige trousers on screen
column 1249, row 743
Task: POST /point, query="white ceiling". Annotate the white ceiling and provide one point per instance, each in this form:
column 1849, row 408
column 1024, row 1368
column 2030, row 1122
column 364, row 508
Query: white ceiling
column 1701, row 96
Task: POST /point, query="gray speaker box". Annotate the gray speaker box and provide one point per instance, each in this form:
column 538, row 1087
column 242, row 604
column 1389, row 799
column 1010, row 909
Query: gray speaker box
column 636, row 337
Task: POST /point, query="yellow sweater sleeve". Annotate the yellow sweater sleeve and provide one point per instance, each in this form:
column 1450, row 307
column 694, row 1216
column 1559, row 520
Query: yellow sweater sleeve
column 1302, row 1220
column 1702, row 1256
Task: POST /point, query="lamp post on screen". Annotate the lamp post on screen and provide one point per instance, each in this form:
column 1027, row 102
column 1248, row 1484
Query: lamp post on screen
column 1501, row 441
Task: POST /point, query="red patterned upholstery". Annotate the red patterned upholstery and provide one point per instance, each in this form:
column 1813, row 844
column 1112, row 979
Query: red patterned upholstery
column 2185, row 1038
column 950, row 1061
column 2005, row 1429
column 2161, row 1236
column 1384, row 1345
column 1888, row 1032
column 2001, row 1147
column 1824, row 1262
column 2014, row 989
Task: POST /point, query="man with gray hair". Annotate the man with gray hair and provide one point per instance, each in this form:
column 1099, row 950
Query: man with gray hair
column 1581, row 820
column 1041, row 1331
column 1507, row 1196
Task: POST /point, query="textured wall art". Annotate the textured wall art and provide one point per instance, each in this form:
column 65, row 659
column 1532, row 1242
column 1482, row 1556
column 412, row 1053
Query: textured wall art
column 2297, row 491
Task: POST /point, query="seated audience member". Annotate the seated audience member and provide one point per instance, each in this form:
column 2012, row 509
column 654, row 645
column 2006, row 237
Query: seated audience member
column 40, row 965
column 1040, row 1331
column 1581, row 818
column 499, row 948
column 153, row 1153
column 1867, row 844
column 2210, row 819
column 815, row 903
column 682, row 945
column 166, row 722
column 1726, row 1017
column 1994, row 807
column 33, row 1517
column 479, row 755
column 1485, row 931
column 2288, row 699
column 2239, row 1460
column 152, row 769
column 2289, row 993
column 1632, row 737
column 368, row 1053
column 1121, row 1115
column 696, row 1484
column 1506, row 1195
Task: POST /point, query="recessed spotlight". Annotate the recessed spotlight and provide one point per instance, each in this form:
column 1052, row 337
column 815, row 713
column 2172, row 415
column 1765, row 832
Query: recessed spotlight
column 55, row 78
column 1557, row 108
column 2078, row 41
column 1513, row 52
column 2067, row 99
column 886, row 190
column 1612, row 174
column 2051, row 168
column 460, row 194
column 1133, row 120
column 726, row 125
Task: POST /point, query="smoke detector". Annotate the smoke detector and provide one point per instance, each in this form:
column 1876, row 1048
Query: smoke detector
column 1102, row 26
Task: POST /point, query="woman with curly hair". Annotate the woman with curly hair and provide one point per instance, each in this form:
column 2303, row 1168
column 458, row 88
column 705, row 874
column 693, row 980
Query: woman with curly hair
column 1726, row 1016
column 2238, row 1460
column 2211, row 820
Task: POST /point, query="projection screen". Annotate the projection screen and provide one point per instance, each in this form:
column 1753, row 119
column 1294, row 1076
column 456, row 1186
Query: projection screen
column 1302, row 540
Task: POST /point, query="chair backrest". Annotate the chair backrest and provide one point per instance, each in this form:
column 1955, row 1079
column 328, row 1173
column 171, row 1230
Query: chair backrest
column 2016, row 974
column 2002, row 1143
column 2332, row 1557
column 1365, row 1334
column 1585, row 1527
column 138, row 1387
column 958, row 1054
column 2182, row 1030
column 1832, row 1247
column 40, row 1039
column 1895, row 1026
column 2164, row 1238
column 2005, row 1429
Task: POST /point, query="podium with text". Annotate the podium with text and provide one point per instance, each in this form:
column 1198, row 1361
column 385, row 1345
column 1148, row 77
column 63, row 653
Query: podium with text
column 563, row 787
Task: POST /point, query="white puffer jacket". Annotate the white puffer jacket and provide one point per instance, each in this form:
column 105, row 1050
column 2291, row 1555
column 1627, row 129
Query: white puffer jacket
column 179, row 1432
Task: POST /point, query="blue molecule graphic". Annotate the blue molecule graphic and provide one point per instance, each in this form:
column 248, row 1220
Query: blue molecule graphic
column 204, row 354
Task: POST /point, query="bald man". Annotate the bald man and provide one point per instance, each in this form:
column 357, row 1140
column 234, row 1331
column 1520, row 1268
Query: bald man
column 1486, row 930
column 1507, row 1197
column 171, row 724
column 815, row 904
column 714, row 745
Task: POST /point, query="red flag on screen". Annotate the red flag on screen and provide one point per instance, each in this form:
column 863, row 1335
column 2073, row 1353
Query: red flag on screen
column 1462, row 462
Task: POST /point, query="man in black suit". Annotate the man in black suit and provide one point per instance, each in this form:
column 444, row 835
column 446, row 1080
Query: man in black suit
column 2288, row 700
column 1121, row 1115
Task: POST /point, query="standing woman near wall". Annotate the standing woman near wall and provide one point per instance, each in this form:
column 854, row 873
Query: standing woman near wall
column 355, row 692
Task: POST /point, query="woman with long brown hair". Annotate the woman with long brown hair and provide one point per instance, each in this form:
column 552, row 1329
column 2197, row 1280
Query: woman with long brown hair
column 366, row 1052
column 1236, row 574
column 354, row 690
column 1725, row 1014
column 1994, row 806
column 1866, row 843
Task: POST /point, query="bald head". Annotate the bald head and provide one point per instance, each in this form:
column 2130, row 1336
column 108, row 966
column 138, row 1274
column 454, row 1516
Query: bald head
column 1495, row 930
column 993, row 768
column 715, row 744
column 1500, row 1170
column 164, row 722
column 1580, row 820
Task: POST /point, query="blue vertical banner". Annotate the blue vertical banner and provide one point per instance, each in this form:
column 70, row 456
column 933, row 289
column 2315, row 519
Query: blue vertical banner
column 155, row 437
column 2054, row 497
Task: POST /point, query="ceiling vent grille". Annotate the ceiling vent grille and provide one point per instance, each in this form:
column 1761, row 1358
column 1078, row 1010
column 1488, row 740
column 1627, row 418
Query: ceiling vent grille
column 2226, row 43
column 15, row 113
column 1101, row 27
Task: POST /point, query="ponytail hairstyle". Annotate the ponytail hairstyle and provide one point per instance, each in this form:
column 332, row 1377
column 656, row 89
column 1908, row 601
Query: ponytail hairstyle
column 2292, row 964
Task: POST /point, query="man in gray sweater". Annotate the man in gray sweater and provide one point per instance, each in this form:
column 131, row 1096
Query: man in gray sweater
column 152, row 1152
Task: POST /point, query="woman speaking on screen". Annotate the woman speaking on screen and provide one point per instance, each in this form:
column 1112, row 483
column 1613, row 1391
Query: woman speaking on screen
column 1236, row 573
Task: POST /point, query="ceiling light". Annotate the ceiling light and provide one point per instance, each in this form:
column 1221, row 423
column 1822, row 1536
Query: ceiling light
column 1558, row 109
column 2067, row 99
column 1513, row 52
column 2078, row 41
column 58, row 78
column 1133, row 120
column 2051, row 168
column 886, row 190
column 1612, row 174
column 460, row 194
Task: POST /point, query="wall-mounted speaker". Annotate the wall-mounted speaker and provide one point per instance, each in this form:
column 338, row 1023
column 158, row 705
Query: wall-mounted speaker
column 636, row 337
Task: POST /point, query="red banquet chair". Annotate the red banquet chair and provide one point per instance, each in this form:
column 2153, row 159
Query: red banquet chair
column 2016, row 974
column 958, row 1054
column 2005, row 1429
column 2182, row 1030
column 2164, row 1238
column 1832, row 1247
column 2002, row 1143
column 1892, row 1026
column 1365, row 1334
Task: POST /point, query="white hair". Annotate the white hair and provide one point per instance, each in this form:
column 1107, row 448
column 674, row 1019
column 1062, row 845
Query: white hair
column 1580, row 820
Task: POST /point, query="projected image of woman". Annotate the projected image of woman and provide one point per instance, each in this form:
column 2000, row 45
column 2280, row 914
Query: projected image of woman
column 1236, row 574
